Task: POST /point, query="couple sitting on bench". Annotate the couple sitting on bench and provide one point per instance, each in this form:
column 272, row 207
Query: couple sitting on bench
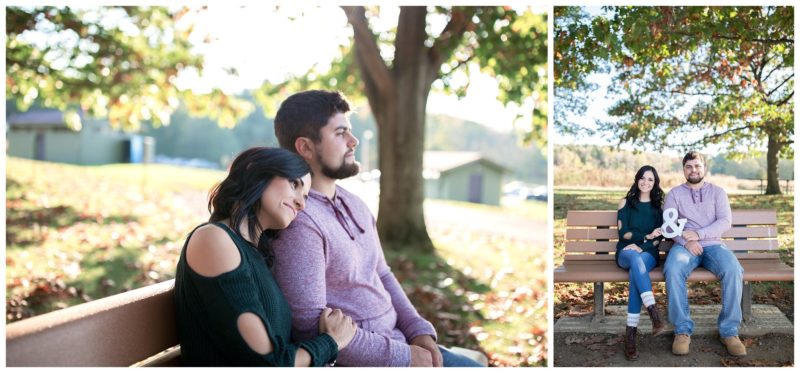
column 289, row 270
column 707, row 215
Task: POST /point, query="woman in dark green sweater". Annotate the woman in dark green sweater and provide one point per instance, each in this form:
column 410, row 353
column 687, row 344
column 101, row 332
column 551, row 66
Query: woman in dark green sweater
column 230, row 310
column 639, row 219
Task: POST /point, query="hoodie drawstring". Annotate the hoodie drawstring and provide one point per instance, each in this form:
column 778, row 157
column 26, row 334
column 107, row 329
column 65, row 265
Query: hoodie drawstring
column 341, row 218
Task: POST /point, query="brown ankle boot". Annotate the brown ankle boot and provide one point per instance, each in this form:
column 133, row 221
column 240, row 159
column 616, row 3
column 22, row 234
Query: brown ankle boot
column 630, row 343
column 659, row 325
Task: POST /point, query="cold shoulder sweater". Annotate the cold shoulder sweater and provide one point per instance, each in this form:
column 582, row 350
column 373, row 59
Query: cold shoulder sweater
column 208, row 308
column 639, row 223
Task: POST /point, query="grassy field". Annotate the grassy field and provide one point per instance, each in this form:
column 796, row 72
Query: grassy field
column 573, row 299
column 80, row 233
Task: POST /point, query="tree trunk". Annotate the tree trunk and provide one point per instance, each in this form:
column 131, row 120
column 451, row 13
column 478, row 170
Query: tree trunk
column 398, row 99
column 773, row 149
column 401, row 129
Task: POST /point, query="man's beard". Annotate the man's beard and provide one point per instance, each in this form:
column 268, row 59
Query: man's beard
column 695, row 180
column 342, row 172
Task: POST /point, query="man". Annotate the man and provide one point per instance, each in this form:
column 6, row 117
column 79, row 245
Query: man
column 330, row 256
column 708, row 215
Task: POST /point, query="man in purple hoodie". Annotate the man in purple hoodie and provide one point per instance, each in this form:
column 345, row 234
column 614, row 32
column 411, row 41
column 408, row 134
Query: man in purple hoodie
column 708, row 215
column 330, row 256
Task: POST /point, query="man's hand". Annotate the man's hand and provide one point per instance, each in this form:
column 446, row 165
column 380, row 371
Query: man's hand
column 427, row 342
column 694, row 248
column 690, row 236
column 420, row 357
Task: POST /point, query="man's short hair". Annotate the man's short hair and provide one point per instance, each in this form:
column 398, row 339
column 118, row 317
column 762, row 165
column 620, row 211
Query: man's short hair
column 304, row 113
column 693, row 155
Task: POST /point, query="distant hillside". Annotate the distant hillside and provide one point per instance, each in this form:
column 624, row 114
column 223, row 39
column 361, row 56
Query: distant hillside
column 577, row 165
column 189, row 137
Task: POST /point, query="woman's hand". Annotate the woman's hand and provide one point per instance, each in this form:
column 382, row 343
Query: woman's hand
column 338, row 325
column 655, row 233
column 633, row 247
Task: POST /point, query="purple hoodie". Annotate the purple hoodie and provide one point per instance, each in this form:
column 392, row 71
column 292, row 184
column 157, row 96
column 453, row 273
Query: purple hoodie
column 330, row 256
column 706, row 210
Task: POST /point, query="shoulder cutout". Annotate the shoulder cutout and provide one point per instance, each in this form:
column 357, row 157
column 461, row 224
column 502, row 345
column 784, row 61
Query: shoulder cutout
column 621, row 204
column 211, row 252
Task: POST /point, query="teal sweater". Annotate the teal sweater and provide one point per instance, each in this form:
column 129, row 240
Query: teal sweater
column 639, row 222
column 208, row 307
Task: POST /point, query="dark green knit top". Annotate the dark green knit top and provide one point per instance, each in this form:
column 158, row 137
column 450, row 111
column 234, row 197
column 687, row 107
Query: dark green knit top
column 208, row 307
column 639, row 222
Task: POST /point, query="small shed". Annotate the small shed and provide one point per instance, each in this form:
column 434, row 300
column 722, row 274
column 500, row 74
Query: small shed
column 462, row 176
column 43, row 134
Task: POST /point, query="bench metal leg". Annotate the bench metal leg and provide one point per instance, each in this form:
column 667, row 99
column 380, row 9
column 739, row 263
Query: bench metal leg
column 599, row 305
column 747, row 301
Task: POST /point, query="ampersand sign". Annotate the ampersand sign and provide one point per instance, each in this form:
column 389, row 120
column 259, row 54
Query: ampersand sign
column 670, row 217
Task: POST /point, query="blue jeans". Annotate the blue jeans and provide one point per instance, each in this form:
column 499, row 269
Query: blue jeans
column 451, row 359
column 638, row 266
column 722, row 263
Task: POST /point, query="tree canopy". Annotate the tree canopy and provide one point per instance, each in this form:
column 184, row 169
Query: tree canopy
column 507, row 44
column 114, row 62
column 395, row 70
column 685, row 77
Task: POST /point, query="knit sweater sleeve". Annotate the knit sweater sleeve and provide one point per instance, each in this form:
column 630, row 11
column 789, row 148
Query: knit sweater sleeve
column 300, row 272
column 408, row 319
column 624, row 216
column 226, row 297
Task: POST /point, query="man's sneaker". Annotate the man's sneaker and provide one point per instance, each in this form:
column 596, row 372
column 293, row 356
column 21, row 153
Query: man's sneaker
column 734, row 345
column 680, row 346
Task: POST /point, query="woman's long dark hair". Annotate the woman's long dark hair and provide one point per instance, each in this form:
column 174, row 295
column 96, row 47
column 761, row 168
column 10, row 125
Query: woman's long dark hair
column 656, row 194
column 238, row 197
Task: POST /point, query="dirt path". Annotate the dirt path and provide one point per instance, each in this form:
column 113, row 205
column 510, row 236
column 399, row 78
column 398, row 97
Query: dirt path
column 605, row 350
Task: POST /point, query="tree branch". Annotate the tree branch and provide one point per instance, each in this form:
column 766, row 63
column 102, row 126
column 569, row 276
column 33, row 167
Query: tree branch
column 367, row 51
column 711, row 138
column 780, row 102
column 790, row 77
column 735, row 38
column 450, row 37
column 411, row 35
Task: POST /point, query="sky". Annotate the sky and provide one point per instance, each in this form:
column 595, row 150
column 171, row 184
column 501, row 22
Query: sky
column 279, row 47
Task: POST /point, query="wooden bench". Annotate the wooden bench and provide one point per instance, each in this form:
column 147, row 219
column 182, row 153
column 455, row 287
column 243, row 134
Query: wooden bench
column 135, row 328
column 591, row 239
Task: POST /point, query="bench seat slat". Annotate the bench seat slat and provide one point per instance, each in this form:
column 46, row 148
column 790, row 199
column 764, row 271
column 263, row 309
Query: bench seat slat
column 607, row 271
column 601, row 257
column 608, row 218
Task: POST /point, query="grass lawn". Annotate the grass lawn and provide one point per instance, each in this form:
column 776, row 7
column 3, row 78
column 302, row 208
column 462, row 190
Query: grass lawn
column 571, row 299
column 79, row 233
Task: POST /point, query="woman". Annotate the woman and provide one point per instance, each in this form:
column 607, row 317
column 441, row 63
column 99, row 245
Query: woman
column 639, row 219
column 230, row 311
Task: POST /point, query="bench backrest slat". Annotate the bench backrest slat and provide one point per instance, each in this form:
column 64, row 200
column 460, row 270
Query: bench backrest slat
column 608, row 218
column 611, row 234
column 119, row 330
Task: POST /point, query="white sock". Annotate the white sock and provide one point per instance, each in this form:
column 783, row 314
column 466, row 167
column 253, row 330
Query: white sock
column 648, row 299
column 633, row 320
